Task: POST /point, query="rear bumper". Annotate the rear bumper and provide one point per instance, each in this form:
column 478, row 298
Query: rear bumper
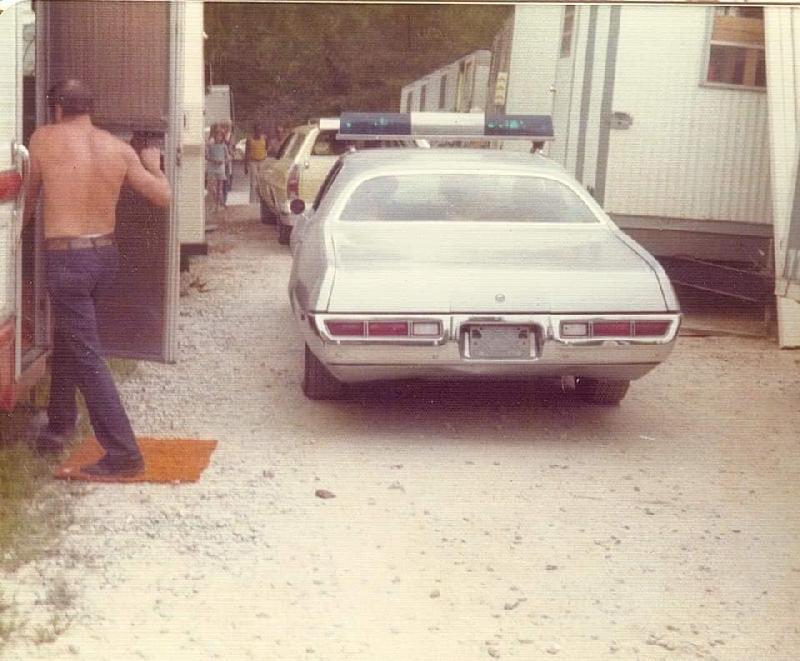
column 448, row 357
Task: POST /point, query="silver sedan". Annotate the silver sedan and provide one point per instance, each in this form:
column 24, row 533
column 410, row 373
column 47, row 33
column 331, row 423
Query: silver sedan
column 472, row 264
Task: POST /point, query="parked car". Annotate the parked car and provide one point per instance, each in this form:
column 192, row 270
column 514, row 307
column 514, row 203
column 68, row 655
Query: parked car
column 472, row 263
column 303, row 161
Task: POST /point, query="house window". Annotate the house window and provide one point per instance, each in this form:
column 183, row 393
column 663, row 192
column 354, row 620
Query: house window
column 736, row 49
column 567, row 29
column 422, row 93
column 409, row 101
column 442, row 92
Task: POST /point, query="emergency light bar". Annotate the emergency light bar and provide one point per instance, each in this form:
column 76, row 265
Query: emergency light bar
column 439, row 126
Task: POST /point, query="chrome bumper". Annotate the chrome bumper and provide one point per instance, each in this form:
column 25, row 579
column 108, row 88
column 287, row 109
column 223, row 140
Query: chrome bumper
column 448, row 356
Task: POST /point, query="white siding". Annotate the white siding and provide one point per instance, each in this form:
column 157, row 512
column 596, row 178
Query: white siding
column 782, row 31
column 191, row 206
column 692, row 152
column 534, row 50
column 598, row 68
column 532, row 68
column 569, row 84
column 9, row 131
column 480, row 93
column 475, row 87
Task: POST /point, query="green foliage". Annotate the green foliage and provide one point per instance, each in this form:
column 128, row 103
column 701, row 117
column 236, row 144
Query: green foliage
column 21, row 477
column 288, row 63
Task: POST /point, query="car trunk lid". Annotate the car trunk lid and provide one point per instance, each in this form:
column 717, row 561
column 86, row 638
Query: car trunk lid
column 482, row 268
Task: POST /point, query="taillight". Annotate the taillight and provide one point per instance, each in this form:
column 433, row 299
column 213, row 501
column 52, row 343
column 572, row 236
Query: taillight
column 388, row 328
column 615, row 328
column 345, row 328
column 611, row 329
column 426, row 329
column 293, row 183
column 10, row 185
column 650, row 328
column 574, row 329
column 379, row 328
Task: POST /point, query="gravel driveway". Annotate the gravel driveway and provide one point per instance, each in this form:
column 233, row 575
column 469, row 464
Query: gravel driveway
column 469, row 521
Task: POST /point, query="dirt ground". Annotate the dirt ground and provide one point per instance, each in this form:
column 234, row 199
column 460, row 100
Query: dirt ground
column 470, row 521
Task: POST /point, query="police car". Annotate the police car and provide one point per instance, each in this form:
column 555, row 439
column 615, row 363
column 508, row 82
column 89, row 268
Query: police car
column 458, row 263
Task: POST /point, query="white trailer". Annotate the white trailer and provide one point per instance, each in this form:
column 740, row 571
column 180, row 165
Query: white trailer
column 456, row 87
column 782, row 38
column 219, row 104
column 143, row 62
column 661, row 112
column 648, row 116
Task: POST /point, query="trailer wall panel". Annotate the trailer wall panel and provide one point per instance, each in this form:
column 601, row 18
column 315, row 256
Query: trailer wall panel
column 711, row 143
column 9, row 84
column 782, row 33
column 534, row 52
column 191, row 206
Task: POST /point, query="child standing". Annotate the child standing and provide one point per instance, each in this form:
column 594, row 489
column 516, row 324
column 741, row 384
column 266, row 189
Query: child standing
column 217, row 156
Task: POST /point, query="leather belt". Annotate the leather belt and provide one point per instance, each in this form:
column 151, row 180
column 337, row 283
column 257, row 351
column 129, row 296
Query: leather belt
column 78, row 242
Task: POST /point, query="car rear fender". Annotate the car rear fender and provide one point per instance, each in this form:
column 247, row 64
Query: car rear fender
column 313, row 270
column 667, row 291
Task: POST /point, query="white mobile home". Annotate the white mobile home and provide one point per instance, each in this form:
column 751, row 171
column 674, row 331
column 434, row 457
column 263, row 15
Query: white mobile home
column 144, row 63
column 661, row 112
column 782, row 36
column 457, row 87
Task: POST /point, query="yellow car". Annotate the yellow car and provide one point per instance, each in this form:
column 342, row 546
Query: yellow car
column 300, row 167
column 303, row 161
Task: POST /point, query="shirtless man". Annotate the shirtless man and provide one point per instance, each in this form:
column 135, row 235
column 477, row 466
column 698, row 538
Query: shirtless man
column 80, row 169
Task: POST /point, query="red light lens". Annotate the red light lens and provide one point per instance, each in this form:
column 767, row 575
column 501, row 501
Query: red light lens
column 388, row 328
column 293, row 182
column 611, row 329
column 650, row 328
column 10, row 185
column 345, row 328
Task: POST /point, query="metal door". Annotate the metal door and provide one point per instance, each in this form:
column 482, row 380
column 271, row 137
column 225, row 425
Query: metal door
column 22, row 298
column 128, row 54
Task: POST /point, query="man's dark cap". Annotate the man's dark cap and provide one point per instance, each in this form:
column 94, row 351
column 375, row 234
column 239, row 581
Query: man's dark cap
column 74, row 97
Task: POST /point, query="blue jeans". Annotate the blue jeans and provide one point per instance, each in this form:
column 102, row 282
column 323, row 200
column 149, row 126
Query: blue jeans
column 75, row 279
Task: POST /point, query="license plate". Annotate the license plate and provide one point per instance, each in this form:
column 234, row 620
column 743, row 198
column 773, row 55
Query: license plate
column 500, row 342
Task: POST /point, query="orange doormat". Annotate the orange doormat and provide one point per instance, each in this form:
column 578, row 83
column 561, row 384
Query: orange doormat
column 165, row 460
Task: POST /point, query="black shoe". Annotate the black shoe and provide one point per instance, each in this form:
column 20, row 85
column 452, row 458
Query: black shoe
column 49, row 443
column 107, row 467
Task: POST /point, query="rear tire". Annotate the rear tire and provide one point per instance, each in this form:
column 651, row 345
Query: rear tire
column 284, row 234
column 601, row 391
column 318, row 382
column 267, row 217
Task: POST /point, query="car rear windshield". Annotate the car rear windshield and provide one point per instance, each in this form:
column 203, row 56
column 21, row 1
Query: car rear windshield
column 466, row 198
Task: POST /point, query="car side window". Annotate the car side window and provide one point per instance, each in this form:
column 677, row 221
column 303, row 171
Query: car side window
column 285, row 146
column 297, row 145
column 327, row 184
column 326, row 144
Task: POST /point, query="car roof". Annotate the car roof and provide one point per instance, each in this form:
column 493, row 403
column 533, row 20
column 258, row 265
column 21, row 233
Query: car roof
column 411, row 159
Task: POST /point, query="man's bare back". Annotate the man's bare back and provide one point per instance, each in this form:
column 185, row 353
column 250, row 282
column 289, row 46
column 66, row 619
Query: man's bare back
column 81, row 169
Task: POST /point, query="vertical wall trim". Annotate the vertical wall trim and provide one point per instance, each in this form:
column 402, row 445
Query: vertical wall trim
column 586, row 93
column 606, row 104
column 574, row 57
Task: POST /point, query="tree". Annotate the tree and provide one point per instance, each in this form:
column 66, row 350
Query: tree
column 293, row 62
